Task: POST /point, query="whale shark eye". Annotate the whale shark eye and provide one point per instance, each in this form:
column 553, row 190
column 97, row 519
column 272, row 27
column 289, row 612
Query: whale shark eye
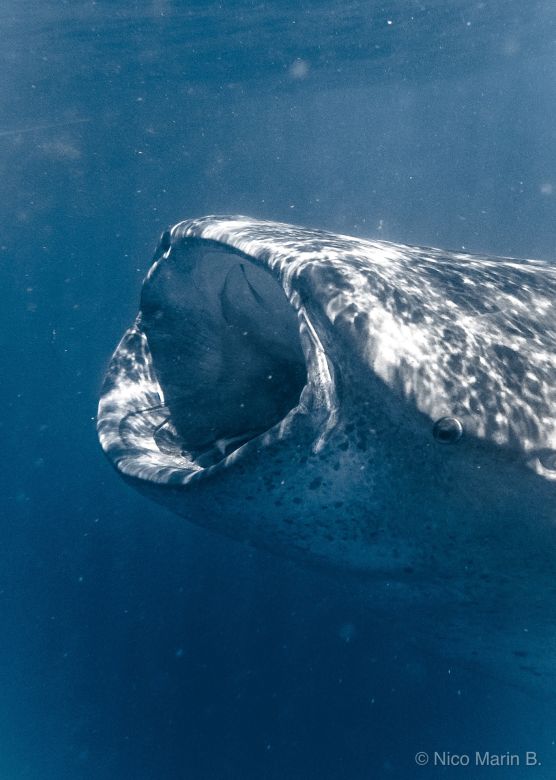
column 447, row 430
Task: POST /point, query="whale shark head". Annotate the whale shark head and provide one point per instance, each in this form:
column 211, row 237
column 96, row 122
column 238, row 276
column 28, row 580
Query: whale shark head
column 362, row 404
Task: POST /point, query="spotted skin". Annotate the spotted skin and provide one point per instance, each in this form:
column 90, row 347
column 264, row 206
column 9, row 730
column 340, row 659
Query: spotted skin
column 395, row 338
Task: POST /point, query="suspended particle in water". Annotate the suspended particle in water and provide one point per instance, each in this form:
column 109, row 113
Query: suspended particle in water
column 347, row 632
column 299, row 69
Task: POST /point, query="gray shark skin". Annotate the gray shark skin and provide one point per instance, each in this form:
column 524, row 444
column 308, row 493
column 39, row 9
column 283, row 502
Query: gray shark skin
column 364, row 405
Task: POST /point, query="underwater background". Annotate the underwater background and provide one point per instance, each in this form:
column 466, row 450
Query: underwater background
column 133, row 645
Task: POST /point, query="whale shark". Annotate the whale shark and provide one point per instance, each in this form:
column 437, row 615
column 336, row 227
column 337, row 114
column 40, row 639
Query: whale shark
column 372, row 407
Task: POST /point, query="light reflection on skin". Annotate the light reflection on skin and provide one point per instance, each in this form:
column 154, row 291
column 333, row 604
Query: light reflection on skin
column 455, row 334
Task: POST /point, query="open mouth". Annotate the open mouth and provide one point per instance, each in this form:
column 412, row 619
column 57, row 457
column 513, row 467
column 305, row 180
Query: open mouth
column 225, row 349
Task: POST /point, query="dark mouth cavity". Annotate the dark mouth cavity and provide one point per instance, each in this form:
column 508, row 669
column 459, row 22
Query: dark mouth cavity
column 225, row 346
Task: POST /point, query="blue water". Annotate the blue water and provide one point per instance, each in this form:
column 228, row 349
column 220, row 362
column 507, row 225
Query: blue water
column 135, row 646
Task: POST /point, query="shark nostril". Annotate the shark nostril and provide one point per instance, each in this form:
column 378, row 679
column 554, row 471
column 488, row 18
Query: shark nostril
column 447, row 430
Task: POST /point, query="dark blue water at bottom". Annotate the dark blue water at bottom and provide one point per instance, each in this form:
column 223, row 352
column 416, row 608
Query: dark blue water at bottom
column 132, row 645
